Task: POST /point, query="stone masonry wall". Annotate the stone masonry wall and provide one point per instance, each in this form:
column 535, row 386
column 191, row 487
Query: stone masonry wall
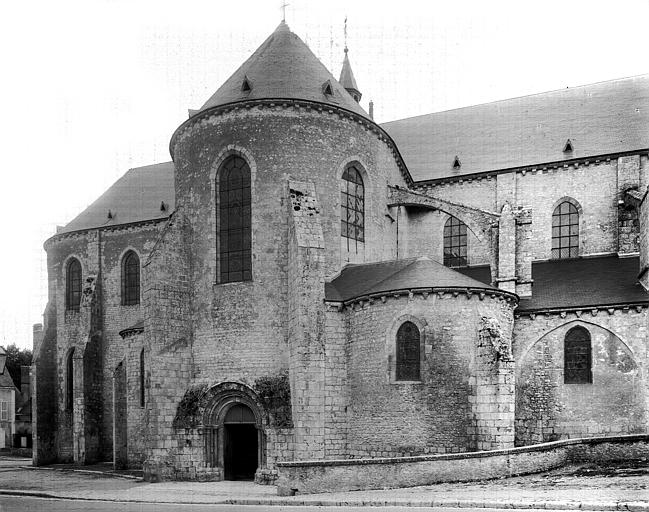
column 440, row 414
column 616, row 400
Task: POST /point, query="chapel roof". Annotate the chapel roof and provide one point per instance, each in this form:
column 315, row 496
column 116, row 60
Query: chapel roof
column 603, row 118
column 357, row 280
column 602, row 281
column 136, row 196
column 581, row 282
column 283, row 67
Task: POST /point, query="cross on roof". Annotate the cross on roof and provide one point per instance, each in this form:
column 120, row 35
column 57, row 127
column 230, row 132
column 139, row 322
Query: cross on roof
column 283, row 7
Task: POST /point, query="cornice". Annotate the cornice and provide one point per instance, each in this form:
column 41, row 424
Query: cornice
column 57, row 237
column 580, row 311
column 532, row 168
column 365, row 122
column 425, row 292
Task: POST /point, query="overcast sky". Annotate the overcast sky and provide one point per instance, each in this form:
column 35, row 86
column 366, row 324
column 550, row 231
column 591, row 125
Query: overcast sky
column 92, row 88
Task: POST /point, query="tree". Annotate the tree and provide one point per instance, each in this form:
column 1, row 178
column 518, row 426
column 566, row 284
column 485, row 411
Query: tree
column 17, row 357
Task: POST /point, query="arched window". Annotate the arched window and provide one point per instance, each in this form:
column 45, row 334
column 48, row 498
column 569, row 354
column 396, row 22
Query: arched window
column 455, row 243
column 73, row 285
column 142, row 378
column 565, row 231
column 130, row 279
column 234, row 236
column 577, row 357
column 69, row 381
column 408, row 353
column 352, row 207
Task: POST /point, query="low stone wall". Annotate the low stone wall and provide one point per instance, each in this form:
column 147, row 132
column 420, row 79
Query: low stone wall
column 383, row 473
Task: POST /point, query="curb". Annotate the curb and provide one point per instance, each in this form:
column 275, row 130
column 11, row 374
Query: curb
column 628, row 506
column 86, row 471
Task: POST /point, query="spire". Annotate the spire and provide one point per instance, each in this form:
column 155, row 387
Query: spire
column 347, row 79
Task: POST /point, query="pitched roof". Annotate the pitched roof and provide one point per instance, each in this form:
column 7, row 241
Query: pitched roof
column 347, row 79
column 602, row 118
column 356, row 280
column 283, row 67
column 136, row 196
column 6, row 381
column 602, row 281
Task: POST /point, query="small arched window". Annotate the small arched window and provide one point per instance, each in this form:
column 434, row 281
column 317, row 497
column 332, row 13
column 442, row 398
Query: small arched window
column 234, row 221
column 565, row 231
column 577, row 357
column 352, row 207
column 408, row 352
column 130, row 279
column 142, row 395
column 455, row 243
column 73, row 285
column 69, row 381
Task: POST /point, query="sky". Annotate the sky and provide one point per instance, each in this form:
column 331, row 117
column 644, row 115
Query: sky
column 92, row 88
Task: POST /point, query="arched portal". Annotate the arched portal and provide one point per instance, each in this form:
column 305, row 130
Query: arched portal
column 241, row 444
column 233, row 427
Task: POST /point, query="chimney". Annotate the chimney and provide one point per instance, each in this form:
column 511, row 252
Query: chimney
column 24, row 382
column 371, row 110
column 37, row 338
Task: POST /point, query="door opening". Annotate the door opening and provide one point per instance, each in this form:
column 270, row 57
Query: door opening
column 241, row 455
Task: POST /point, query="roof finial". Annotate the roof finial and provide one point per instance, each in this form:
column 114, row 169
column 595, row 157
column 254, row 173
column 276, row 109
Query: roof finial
column 345, row 32
column 283, row 7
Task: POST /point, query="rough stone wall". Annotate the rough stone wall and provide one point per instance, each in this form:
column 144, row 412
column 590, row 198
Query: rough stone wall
column 425, row 237
column 93, row 331
column 596, row 186
column 306, row 321
column 388, row 418
column 167, row 341
column 615, row 402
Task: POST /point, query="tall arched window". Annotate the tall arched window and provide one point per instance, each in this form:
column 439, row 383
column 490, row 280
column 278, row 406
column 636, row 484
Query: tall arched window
column 565, row 231
column 130, row 279
column 73, row 285
column 142, row 395
column 352, row 207
column 69, row 381
column 577, row 357
column 455, row 243
column 234, row 232
column 408, row 353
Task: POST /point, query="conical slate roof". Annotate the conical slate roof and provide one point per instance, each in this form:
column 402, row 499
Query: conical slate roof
column 357, row 280
column 283, row 67
column 347, row 79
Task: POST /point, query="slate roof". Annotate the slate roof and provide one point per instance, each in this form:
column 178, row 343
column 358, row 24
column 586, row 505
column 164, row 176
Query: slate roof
column 602, row 118
column 357, row 280
column 347, row 79
column 283, row 67
column 136, row 196
column 583, row 282
column 6, row 381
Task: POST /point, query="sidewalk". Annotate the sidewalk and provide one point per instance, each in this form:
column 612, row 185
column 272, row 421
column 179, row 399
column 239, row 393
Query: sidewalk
column 585, row 487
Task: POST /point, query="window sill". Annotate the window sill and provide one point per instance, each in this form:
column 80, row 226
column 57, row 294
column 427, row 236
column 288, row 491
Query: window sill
column 407, row 382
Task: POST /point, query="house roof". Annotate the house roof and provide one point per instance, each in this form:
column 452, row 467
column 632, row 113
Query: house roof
column 136, row 196
column 283, row 67
column 357, row 280
column 603, row 281
column 6, row 381
column 602, row 118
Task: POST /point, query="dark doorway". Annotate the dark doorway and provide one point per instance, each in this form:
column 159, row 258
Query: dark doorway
column 241, row 444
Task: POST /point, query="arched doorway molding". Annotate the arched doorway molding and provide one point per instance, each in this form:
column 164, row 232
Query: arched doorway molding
column 220, row 399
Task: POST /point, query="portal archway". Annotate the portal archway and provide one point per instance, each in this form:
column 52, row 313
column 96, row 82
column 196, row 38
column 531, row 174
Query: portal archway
column 233, row 427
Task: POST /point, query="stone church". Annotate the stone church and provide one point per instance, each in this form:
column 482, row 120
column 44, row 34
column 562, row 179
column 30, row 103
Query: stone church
column 301, row 283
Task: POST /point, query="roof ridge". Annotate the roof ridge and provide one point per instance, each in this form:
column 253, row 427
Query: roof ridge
column 503, row 100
